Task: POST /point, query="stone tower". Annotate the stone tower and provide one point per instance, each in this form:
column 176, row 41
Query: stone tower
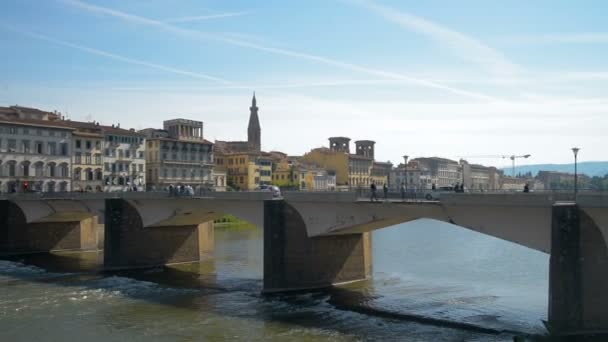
column 339, row 144
column 254, row 132
column 365, row 148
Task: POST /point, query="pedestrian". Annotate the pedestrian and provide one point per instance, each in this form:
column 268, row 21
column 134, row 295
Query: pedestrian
column 526, row 188
column 385, row 190
column 373, row 192
column 403, row 191
column 433, row 187
column 462, row 187
column 456, row 187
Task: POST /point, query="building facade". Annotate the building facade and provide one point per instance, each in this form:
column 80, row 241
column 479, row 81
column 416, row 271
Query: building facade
column 179, row 155
column 35, row 155
column 124, row 161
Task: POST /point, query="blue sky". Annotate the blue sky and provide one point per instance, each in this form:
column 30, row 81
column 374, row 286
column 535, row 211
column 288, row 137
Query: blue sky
column 423, row 78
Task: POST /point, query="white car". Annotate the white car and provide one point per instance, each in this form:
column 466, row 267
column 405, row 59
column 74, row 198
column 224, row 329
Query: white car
column 276, row 192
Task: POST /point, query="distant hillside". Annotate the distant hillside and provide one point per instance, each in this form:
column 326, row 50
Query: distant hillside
column 595, row 168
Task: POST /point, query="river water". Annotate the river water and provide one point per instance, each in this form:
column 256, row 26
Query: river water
column 432, row 282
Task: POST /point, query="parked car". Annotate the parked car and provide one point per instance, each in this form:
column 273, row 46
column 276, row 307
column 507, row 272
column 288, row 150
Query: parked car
column 276, row 192
column 434, row 195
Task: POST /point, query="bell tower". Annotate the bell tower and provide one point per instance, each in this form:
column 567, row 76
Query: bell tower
column 254, row 132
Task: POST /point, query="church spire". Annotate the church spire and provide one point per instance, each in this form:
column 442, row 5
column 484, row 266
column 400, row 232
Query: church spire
column 254, row 132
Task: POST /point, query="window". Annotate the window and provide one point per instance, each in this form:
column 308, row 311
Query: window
column 51, row 168
column 106, row 166
column 183, row 173
column 165, row 173
column 120, row 153
column 98, row 159
column 88, row 144
column 127, row 153
column 113, row 167
column 51, row 133
column 77, row 174
column 25, row 146
column 11, row 169
column 120, row 167
column 13, row 130
column 174, row 173
column 26, row 131
column 39, row 132
column 39, row 169
column 141, row 154
column 78, row 144
column 12, row 145
column 78, row 158
column 64, row 149
column 107, row 152
column 98, row 145
column 63, row 170
column 87, row 158
column 52, row 148
column 141, row 167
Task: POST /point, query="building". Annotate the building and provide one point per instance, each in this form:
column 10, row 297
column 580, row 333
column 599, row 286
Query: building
column 440, row 172
column 246, row 170
column 350, row 170
column 410, row 176
column 35, row 154
column 178, row 154
column 479, row 178
column 87, row 158
column 124, row 159
column 87, row 146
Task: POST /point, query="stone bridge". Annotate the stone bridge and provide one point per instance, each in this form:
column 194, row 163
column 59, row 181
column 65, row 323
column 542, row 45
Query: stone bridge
column 314, row 240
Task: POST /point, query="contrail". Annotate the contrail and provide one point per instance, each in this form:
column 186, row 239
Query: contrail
column 119, row 57
column 278, row 51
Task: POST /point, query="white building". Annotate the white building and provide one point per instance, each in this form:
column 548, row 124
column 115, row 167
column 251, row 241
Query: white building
column 124, row 162
column 34, row 155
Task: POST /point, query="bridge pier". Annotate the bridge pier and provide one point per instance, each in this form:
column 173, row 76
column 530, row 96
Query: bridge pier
column 128, row 244
column 17, row 236
column 578, row 274
column 293, row 261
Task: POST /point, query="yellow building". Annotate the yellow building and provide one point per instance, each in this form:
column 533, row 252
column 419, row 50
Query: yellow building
column 245, row 170
column 329, row 160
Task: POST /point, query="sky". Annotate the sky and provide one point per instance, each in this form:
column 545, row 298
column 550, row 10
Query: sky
column 471, row 79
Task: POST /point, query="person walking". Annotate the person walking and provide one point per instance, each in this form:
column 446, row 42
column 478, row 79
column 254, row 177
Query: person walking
column 373, row 192
column 526, row 188
column 403, row 191
column 385, row 190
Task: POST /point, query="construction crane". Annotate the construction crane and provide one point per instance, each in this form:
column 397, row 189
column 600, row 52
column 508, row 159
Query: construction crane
column 512, row 157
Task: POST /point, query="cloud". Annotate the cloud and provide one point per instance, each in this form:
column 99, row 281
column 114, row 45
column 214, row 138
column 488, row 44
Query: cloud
column 204, row 17
column 278, row 51
column 118, row 57
column 466, row 47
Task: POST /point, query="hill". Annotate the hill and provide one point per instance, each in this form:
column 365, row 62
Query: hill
column 592, row 168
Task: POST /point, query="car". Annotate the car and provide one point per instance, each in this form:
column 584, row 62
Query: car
column 433, row 195
column 276, row 192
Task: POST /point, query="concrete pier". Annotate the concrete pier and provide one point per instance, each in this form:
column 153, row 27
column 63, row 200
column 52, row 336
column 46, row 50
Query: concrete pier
column 128, row 244
column 578, row 275
column 294, row 261
column 17, row 236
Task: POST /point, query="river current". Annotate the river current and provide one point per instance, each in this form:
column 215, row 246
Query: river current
column 432, row 282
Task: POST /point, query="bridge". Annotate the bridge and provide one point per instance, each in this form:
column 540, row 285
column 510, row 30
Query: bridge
column 315, row 240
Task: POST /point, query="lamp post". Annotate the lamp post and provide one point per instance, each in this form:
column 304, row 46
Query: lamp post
column 575, row 151
column 405, row 157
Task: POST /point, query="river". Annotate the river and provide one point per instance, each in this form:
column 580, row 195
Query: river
column 432, row 282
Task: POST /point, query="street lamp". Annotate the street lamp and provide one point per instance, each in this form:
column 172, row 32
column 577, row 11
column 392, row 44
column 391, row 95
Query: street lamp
column 513, row 157
column 575, row 151
column 405, row 157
